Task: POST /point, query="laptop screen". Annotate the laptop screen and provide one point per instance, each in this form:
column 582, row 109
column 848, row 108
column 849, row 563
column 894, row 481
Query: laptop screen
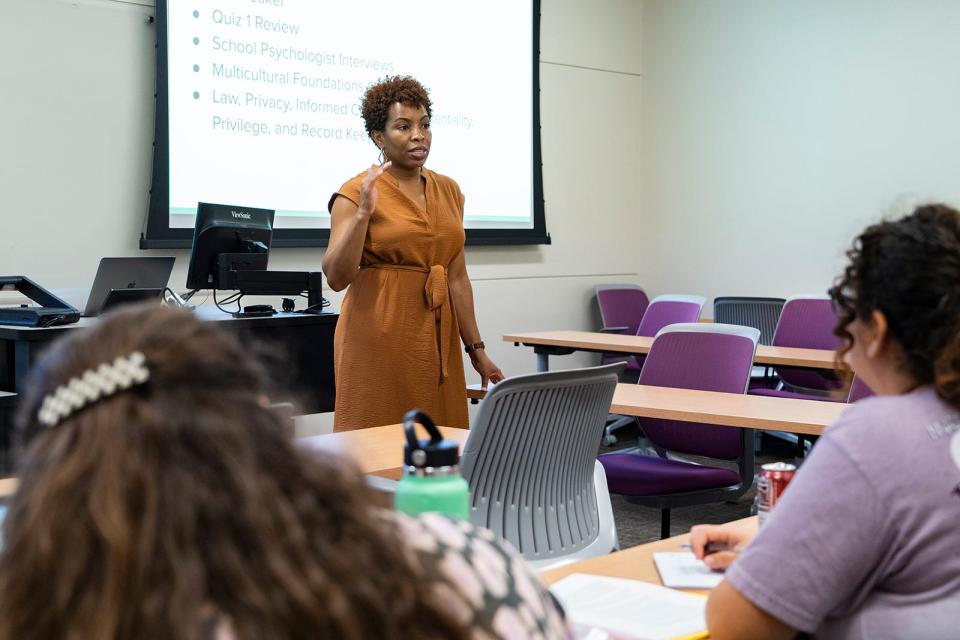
column 127, row 273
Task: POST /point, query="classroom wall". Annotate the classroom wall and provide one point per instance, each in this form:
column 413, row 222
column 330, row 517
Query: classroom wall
column 773, row 131
column 75, row 162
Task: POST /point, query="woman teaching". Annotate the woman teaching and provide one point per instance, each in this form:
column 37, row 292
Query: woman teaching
column 396, row 237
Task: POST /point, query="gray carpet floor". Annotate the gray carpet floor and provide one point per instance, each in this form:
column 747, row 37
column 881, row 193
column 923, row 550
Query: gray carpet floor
column 638, row 524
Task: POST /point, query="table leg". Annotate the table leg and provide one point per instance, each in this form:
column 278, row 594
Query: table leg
column 545, row 351
column 22, row 361
column 543, row 362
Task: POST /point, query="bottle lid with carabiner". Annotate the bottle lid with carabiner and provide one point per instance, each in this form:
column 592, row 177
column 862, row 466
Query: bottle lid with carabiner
column 431, row 480
column 433, row 456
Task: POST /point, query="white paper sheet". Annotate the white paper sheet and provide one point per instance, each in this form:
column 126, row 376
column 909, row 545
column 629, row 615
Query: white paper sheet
column 682, row 570
column 630, row 608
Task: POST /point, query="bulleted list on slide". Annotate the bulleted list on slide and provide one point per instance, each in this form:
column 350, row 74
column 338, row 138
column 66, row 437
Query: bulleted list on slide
column 264, row 99
column 259, row 84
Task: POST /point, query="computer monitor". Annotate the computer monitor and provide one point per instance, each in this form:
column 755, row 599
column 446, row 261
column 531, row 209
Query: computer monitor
column 228, row 238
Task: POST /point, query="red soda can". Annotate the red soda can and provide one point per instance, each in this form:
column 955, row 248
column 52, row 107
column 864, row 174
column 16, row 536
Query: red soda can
column 771, row 484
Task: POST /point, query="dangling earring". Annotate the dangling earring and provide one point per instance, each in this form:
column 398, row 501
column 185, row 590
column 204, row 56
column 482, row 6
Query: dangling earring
column 382, row 157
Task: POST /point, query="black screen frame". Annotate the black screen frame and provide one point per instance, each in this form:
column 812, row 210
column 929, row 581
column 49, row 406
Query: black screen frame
column 212, row 231
column 157, row 233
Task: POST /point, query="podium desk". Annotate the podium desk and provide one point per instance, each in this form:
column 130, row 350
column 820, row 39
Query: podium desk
column 297, row 343
column 297, row 350
column 559, row 343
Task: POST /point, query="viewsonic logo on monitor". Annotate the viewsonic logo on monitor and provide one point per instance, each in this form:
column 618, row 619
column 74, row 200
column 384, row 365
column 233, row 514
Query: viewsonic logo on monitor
column 240, row 214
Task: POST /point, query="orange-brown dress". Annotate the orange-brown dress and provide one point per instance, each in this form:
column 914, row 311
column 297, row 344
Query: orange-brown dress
column 397, row 344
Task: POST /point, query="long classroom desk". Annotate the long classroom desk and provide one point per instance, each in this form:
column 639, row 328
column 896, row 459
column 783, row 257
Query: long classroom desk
column 809, row 417
column 635, row 562
column 557, row 343
column 8, row 486
column 377, row 451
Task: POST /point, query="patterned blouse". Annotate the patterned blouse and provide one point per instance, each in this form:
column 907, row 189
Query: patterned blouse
column 485, row 584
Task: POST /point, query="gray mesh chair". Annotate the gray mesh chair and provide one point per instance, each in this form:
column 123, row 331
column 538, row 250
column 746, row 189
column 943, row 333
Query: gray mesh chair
column 531, row 462
column 759, row 313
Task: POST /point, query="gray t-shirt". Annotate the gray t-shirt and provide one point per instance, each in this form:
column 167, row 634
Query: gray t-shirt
column 865, row 542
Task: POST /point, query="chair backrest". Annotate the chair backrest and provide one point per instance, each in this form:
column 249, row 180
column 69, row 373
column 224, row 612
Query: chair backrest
column 807, row 321
column 669, row 309
column 621, row 305
column 705, row 356
column 759, row 313
column 530, row 459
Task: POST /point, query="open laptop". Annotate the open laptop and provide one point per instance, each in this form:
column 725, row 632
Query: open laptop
column 144, row 277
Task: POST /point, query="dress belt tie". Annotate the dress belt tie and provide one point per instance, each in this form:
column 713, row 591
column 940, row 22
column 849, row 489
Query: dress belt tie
column 437, row 298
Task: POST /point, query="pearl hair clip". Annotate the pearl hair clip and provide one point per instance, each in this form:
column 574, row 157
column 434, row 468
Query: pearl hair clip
column 94, row 384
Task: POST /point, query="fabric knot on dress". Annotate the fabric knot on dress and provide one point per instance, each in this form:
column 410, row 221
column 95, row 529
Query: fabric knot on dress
column 437, row 297
column 436, row 287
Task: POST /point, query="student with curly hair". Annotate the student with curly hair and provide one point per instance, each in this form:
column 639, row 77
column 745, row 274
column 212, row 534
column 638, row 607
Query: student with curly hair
column 863, row 544
column 397, row 239
column 161, row 498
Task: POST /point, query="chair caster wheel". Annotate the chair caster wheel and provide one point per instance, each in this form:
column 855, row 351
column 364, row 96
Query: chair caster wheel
column 609, row 441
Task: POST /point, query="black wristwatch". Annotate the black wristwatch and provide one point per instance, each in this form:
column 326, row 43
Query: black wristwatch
column 470, row 348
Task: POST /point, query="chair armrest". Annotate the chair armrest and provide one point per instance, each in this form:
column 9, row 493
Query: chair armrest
column 613, row 329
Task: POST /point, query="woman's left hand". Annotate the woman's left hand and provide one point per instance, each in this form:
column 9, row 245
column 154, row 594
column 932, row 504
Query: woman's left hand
column 489, row 372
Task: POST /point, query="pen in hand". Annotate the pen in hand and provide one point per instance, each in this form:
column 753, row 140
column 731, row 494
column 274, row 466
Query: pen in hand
column 718, row 555
column 714, row 547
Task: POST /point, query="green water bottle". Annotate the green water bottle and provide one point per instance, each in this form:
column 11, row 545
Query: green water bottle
column 431, row 472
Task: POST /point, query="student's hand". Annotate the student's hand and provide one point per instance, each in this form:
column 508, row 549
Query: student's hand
column 368, row 189
column 705, row 539
column 489, row 372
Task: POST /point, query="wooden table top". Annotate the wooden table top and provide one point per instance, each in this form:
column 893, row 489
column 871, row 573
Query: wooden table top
column 809, row 417
column 618, row 343
column 635, row 562
column 8, row 486
column 378, row 450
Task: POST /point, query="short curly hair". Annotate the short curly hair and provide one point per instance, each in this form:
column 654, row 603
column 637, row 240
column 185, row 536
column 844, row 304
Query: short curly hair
column 909, row 269
column 379, row 96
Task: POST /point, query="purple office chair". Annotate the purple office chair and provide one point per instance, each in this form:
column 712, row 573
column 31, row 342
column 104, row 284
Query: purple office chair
column 621, row 308
column 669, row 309
column 663, row 310
column 807, row 322
column 711, row 357
column 859, row 390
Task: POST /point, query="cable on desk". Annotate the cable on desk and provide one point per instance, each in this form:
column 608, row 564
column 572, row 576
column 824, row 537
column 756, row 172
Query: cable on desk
column 229, row 299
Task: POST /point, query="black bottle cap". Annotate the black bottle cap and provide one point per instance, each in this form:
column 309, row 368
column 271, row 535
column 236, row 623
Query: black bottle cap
column 433, row 452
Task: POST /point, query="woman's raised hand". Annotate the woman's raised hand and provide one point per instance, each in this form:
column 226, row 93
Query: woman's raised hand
column 368, row 189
